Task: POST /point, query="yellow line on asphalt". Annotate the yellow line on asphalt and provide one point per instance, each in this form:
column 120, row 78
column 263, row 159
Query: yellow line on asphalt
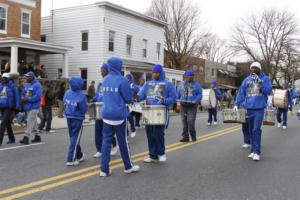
column 86, row 175
column 62, row 176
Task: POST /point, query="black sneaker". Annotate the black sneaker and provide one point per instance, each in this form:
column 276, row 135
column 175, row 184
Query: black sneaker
column 194, row 139
column 37, row 138
column 184, row 140
column 25, row 140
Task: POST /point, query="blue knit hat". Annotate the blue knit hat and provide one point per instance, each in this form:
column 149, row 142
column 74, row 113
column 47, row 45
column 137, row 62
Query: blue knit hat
column 30, row 74
column 189, row 72
column 105, row 66
column 157, row 68
column 129, row 77
column 213, row 83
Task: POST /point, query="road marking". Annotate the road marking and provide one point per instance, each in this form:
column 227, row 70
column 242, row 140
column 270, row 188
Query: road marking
column 24, row 146
column 84, row 176
column 55, row 178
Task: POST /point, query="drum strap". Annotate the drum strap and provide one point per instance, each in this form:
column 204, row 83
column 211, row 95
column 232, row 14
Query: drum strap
column 167, row 117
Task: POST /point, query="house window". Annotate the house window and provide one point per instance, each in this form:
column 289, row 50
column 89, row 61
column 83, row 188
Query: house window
column 3, row 19
column 25, row 23
column 59, row 73
column 83, row 74
column 43, row 38
column 145, row 48
column 158, row 50
column 111, row 41
column 128, row 44
column 84, row 41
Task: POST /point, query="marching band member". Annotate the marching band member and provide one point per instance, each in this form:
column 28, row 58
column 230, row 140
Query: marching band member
column 190, row 94
column 99, row 122
column 139, row 115
column 116, row 94
column 254, row 93
column 9, row 100
column 245, row 127
column 76, row 105
column 31, row 100
column 158, row 91
column 284, row 111
column 134, row 91
column 213, row 112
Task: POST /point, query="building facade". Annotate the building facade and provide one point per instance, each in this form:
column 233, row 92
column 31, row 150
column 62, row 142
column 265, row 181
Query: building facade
column 101, row 30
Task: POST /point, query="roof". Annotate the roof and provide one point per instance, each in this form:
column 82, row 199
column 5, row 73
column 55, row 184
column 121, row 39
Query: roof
column 34, row 45
column 131, row 12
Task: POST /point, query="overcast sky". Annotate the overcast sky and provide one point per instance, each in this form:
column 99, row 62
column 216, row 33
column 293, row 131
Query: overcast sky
column 219, row 15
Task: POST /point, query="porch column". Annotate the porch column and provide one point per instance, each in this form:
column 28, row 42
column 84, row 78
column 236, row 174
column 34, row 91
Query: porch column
column 66, row 63
column 14, row 59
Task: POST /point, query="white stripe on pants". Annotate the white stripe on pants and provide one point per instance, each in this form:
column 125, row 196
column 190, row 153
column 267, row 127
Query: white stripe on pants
column 31, row 122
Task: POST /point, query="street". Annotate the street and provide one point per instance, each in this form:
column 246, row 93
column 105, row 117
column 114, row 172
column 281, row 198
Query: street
column 213, row 168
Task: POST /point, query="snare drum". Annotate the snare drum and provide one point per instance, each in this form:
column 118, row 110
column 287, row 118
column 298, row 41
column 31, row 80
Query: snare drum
column 154, row 115
column 136, row 107
column 269, row 117
column 95, row 110
column 232, row 116
column 208, row 98
column 280, row 98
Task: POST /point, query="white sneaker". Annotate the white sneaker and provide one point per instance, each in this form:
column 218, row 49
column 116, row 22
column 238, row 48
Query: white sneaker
column 162, row 158
column 246, row 146
column 251, row 155
column 114, row 151
column 283, row 127
column 278, row 125
column 134, row 168
column 51, row 131
column 97, row 155
column 17, row 124
column 150, row 160
column 215, row 123
column 82, row 158
column 75, row 163
column 208, row 124
column 256, row 157
column 103, row 174
column 132, row 135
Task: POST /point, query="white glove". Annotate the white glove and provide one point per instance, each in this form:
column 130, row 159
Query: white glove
column 235, row 108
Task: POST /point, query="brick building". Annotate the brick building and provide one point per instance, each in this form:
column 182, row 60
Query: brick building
column 20, row 35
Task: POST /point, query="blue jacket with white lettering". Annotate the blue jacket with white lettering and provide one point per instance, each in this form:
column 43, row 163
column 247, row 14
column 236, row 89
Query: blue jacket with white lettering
column 9, row 95
column 33, row 93
column 189, row 91
column 254, row 95
column 75, row 101
column 116, row 92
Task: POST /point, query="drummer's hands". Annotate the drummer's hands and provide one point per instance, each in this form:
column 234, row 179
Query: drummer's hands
column 143, row 103
column 256, row 78
column 235, row 108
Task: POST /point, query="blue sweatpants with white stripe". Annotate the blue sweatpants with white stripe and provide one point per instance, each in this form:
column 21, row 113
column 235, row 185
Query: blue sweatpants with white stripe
column 99, row 136
column 75, row 131
column 255, row 119
column 156, row 140
column 108, row 134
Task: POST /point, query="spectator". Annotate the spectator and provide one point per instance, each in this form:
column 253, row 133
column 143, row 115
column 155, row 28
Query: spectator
column 7, row 67
column 91, row 91
column 22, row 69
column 47, row 108
column 228, row 98
column 44, row 71
column 59, row 98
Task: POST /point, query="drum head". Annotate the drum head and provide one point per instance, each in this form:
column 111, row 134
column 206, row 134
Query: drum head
column 212, row 98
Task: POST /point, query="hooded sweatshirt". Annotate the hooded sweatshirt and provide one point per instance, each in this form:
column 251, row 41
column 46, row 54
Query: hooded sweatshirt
column 75, row 101
column 190, row 91
column 134, row 88
column 33, row 93
column 116, row 92
column 158, row 92
column 254, row 95
column 9, row 95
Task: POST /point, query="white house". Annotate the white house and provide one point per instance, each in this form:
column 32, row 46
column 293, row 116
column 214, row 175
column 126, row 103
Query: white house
column 99, row 31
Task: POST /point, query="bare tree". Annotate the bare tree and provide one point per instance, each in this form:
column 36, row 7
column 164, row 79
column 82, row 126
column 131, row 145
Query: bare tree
column 214, row 48
column 264, row 37
column 182, row 31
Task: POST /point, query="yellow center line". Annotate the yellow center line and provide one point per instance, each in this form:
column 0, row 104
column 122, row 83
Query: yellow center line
column 119, row 165
column 94, row 167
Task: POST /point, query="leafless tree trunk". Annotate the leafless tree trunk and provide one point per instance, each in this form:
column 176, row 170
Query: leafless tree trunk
column 264, row 37
column 182, row 32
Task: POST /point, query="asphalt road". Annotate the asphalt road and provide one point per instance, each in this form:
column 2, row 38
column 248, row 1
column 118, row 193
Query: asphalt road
column 213, row 168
